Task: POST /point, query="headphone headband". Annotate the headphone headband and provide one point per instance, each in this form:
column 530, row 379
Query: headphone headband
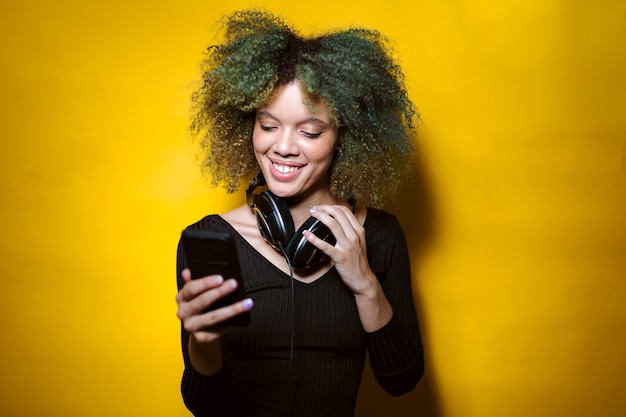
column 257, row 181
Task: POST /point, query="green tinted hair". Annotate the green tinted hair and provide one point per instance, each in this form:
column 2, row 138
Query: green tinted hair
column 351, row 70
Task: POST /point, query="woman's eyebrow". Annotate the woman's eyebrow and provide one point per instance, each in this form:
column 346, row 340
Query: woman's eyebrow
column 315, row 120
column 264, row 113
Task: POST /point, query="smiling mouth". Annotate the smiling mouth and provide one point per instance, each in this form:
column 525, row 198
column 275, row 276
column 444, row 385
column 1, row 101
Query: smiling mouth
column 284, row 169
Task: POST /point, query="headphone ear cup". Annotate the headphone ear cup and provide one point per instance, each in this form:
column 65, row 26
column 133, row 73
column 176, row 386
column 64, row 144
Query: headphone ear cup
column 273, row 219
column 302, row 253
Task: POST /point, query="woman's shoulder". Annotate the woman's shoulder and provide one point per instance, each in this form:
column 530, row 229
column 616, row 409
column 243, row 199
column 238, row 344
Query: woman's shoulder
column 382, row 228
column 232, row 219
column 379, row 219
column 240, row 222
column 385, row 238
column 211, row 222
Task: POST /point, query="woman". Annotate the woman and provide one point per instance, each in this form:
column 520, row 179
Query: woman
column 325, row 122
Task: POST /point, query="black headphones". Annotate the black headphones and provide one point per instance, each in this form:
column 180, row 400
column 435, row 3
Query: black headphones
column 277, row 228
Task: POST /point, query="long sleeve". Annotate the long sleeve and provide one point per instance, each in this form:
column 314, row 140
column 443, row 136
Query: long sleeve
column 396, row 351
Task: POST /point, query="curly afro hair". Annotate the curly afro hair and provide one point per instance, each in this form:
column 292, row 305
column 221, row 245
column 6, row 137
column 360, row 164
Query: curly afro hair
column 352, row 70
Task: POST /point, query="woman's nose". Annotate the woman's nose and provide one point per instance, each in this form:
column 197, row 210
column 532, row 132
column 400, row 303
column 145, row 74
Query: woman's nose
column 286, row 143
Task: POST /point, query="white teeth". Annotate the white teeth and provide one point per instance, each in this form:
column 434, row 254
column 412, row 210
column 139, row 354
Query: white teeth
column 284, row 169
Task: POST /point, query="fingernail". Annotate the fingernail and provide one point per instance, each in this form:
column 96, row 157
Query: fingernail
column 313, row 209
column 247, row 303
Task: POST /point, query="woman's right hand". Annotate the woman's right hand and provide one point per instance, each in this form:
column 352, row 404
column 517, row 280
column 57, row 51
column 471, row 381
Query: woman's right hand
column 198, row 294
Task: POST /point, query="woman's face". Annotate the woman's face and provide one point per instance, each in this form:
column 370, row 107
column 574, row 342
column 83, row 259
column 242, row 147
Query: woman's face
column 293, row 145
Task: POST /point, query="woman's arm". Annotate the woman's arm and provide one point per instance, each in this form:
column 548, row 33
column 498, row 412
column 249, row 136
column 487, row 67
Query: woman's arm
column 396, row 352
column 200, row 334
column 384, row 298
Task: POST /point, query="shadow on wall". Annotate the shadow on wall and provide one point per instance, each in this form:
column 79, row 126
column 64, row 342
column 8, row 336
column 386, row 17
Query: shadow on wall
column 417, row 214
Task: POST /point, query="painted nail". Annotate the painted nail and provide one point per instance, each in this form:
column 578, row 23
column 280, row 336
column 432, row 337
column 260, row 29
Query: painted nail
column 247, row 303
column 313, row 209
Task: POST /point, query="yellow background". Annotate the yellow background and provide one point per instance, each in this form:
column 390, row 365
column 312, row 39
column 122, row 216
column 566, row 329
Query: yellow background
column 516, row 220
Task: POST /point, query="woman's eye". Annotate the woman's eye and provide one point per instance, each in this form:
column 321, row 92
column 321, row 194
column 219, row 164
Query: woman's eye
column 312, row 135
column 267, row 128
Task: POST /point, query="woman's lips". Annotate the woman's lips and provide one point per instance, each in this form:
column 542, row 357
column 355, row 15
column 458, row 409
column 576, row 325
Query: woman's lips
column 284, row 171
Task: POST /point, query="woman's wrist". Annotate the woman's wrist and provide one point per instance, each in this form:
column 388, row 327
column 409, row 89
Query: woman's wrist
column 206, row 358
column 374, row 308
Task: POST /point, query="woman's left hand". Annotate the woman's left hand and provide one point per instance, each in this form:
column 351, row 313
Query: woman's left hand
column 349, row 254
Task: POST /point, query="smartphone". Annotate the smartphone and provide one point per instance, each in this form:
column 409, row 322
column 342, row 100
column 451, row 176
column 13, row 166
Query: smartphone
column 211, row 253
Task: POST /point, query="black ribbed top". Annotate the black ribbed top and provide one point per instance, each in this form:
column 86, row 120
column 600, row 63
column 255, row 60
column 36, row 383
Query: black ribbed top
column 259, row 377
